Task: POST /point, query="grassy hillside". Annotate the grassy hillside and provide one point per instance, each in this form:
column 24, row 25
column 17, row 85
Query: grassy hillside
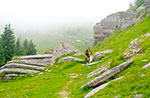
column 58, row 83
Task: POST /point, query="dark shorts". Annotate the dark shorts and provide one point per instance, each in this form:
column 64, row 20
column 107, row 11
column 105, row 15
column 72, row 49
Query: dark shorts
column 87, row 55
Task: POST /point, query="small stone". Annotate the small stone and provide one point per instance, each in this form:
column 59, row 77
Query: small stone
column 142, row 75
column 138, row 96
column 40, row 73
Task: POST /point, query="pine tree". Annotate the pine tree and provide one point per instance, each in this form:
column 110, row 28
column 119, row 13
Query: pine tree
column 138, row 2
column 8, row 43
column 25, row 45
column 19, row 49
column 2, row 58
column 31, row 49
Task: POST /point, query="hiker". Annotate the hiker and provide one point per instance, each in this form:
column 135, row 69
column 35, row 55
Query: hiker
column 87, row 55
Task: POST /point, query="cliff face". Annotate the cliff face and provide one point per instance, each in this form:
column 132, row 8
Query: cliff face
column 147, row 4
column 122, row 20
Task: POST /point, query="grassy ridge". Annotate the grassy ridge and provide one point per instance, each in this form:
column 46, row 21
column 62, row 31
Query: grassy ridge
column 50, row 84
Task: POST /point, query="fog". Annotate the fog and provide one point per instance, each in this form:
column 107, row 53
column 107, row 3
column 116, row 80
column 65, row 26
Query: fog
column 44, row 15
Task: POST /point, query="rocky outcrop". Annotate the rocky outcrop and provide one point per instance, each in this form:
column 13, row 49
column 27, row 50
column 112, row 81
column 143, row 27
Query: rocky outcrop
column 99, row 88
column 69, row 58
column 24, row 65
column 98, row 71
column 122, row 20
column 62, row 49
column 108, row 74
column 147, row 4
column 99, row 55
column 135, row 47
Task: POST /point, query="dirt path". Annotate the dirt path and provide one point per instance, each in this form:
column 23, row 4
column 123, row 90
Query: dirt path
column 64, row 93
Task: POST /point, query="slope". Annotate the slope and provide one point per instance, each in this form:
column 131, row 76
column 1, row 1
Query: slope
column 50, row 84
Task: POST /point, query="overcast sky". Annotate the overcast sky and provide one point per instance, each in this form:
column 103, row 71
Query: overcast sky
column 27, row 14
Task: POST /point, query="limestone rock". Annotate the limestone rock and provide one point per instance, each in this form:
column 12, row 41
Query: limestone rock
column 147, row 65
column 15, row 65
column 90, row 64
column 69, row 58
column 122, row 20
column 17, row 70
column 78, row 54
column 138, row 96
column 108, row 74
column 147, row 4
column 98, row 71
column 100, row 87
column 62, row 49
column 134, row 47
column 36, row 56
column 99, row 55
column 11, row 75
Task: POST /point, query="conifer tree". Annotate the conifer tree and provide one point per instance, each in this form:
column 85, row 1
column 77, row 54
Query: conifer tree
column 19, row 49
column 2, row 58
column 31, row 49
column 8, row 43
column 25, row 45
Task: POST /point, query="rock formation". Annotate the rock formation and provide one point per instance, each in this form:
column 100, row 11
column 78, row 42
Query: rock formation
column 24, row 65
column 69, row 58
column 122, row 20
column 108, row 74
column 100, row 87
column 147, row 4
column 135, row 47
column 62, row 49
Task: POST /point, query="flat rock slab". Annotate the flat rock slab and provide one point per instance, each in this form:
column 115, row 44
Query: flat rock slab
column 36, row 56
column 78, row 54
column 17, row 70
column 36, row 62
column 69, row 58
column 108, row 74
column 90, row 64
column 97, row 71
column 147, row 65
column 100, row 87
column 15, row 65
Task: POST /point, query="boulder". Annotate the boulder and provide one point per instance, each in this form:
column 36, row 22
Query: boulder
column 69, row 58
column 62, row 49
column 98, row 71
column 108, row 74
column 99, row 88
column 99, row 55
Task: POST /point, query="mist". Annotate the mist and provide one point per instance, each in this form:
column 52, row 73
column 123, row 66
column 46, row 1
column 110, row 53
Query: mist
column 48, row 15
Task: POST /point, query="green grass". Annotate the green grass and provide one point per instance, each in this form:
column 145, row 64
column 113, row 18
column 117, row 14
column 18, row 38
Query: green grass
column 49, row 84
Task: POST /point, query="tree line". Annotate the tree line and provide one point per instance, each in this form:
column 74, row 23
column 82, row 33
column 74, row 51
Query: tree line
column 10, row 47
